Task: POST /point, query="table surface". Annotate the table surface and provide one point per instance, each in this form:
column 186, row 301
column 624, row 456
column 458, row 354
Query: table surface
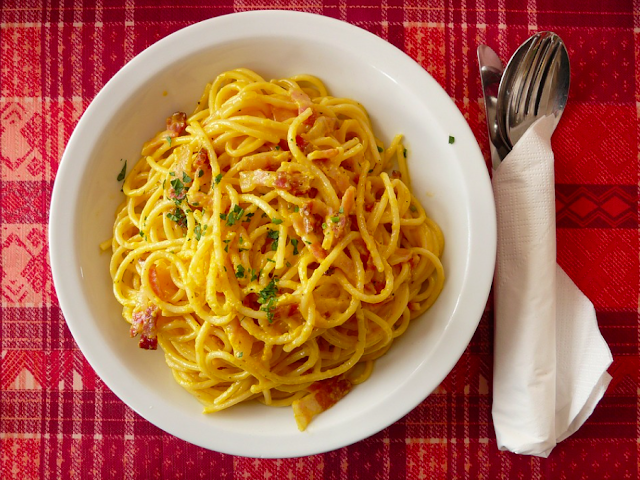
column 58, row 420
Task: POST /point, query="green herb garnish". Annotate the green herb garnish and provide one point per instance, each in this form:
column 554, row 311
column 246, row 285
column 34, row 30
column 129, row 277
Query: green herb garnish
column 413, row 208
column 452, row 140
column 277, row 221
column 123, row 172
column 217, row 178
column 186, row 178
column 178, row 216
column 178, row 186
column 294, row 242
column 235, row 215
column 168, row 139
column 239, row 271
column 198, row 231
column 335, row 219
column 200, row 173
column 273, row 235
column 267, row 298
column 324, row 225
column 380, row 149
column 239, row 354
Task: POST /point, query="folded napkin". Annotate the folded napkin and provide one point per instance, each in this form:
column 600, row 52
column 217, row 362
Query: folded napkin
column 550, row 360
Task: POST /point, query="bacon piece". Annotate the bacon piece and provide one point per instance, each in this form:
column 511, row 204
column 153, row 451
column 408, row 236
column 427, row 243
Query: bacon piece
column 322, row 396
column 317, row 251
column 313, row 214
column 251, row 301
column 296, row 183
column 202, row 159
column 161, row 282
column 286, row 311
column 256, row 178
column 143, row 322
column 302, row 99
column 346, row 206
column 176, row 124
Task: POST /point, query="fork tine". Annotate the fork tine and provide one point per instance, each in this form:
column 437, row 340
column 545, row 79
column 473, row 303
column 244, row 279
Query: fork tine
column 541, row 82
column 532, row 74
column 540, row 74
column 529, row 57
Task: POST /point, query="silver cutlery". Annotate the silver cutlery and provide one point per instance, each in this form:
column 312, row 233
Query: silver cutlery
column 534, row 83
column 490, row 75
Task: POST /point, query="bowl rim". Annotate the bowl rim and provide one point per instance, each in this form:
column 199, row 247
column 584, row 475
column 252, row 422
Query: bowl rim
column 481, row 220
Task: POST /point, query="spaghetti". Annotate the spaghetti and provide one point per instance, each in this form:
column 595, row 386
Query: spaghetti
column 264, row 245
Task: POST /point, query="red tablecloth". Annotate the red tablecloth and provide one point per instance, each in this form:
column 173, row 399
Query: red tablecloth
column 58, row 420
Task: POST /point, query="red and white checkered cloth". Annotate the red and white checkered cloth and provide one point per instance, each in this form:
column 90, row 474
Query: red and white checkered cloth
column 58, row 420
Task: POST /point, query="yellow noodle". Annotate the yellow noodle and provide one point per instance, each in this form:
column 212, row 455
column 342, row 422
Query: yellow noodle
column 265, row 246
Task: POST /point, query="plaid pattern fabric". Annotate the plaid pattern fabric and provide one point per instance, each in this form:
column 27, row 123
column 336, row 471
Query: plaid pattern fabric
column 58, row 420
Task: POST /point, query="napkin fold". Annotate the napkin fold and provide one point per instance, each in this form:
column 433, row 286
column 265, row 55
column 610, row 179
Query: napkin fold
column 550, row 360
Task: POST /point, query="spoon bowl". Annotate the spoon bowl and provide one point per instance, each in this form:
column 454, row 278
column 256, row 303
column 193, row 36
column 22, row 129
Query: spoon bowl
column 535, row 84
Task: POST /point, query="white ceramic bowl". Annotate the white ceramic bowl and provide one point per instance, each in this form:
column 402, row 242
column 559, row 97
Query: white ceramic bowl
column 451, row 181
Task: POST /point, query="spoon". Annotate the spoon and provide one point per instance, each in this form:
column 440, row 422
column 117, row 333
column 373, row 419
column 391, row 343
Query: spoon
column 535, row 84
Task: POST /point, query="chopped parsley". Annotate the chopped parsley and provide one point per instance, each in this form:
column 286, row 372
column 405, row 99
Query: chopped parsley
column 247, row 217
column 223, row 216
column 380, row 149
column 239, row 271
column 294, row 242
column 178, row 186
column 288, row 264
column 168, row 140
column 217, row 179
column 123, row 172
column 413, row 208
column 271, row 260
column 239, row 354
column 198, row 232
column 296, row 208
column 335, row 219
column 240, row 240
column 324, row 225
column 277, row 147
column 275, row 236
column 178, row 216
column 254, row 274
column 341, row 211
column 186, row 178
column 235, row 215
column 405, row 152
column 277, row 221
column 267, row 298
column 200, row 173
column 226, row 247
column 452, row 140
column 370, row 170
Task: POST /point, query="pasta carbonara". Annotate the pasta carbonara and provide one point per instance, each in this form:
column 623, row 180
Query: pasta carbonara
column 269, row 249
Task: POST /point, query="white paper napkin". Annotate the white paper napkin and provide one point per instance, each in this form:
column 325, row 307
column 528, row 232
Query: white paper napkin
column 550, row 360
